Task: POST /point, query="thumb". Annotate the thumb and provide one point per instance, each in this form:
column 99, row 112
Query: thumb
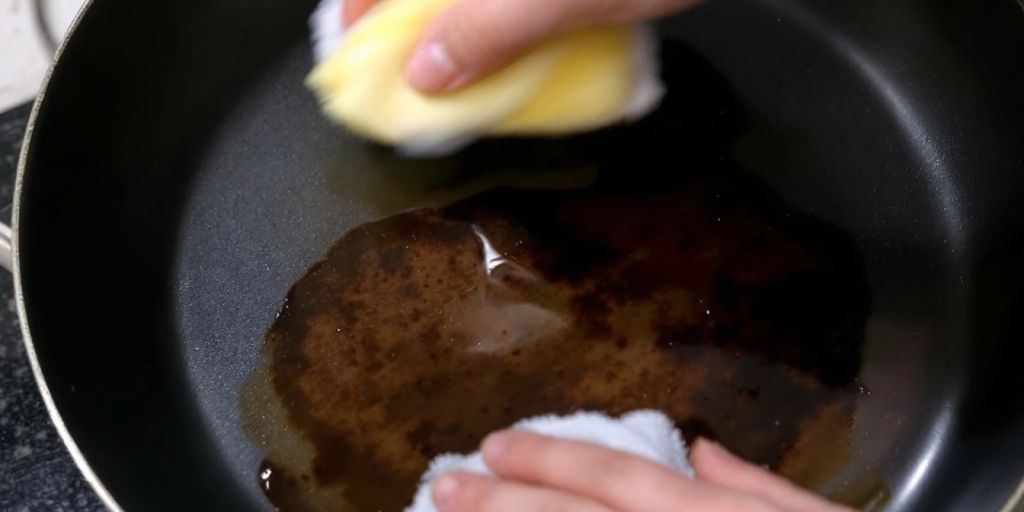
column 475, row 37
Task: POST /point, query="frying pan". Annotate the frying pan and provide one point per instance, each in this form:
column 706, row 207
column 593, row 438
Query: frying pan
column 177, row 178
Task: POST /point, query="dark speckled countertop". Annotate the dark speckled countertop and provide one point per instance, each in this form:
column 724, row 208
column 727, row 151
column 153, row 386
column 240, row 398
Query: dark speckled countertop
column 36, row 471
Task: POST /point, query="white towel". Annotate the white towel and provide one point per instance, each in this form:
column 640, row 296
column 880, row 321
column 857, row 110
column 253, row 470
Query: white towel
column 646, row 433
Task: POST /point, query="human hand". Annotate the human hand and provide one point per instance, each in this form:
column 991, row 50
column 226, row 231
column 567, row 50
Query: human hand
column 476, row 37
column 538, row 473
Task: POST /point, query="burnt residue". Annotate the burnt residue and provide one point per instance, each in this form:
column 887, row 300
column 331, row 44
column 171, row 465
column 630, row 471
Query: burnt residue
column 704, row 296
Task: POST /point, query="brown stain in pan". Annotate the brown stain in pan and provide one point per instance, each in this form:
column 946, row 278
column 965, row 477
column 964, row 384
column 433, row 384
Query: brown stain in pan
column 710, row 300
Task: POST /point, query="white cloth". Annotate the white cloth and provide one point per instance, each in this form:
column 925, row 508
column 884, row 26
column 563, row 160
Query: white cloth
column 645, row 433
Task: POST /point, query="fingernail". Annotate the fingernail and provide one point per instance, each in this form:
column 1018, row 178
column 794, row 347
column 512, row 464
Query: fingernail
column 495, row 445
column 431, row 68
column 445, row 489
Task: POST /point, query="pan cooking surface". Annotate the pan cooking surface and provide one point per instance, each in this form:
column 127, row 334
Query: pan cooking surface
column 319, row 184
column 422, row 332
column 218, row 185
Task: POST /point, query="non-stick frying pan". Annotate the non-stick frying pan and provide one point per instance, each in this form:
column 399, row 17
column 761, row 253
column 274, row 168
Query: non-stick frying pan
column 177, row 179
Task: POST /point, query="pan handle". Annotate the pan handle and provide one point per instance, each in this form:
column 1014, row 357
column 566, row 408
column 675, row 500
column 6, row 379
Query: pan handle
column 6, row 250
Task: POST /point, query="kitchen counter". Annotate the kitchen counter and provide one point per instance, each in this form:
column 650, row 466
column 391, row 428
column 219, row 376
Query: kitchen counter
column 37, row 471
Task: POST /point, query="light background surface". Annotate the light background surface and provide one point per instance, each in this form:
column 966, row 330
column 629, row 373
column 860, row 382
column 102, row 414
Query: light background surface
column 24, row 57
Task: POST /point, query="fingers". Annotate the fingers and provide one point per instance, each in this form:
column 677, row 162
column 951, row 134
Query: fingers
column 619, row 481
column 353, row 9
column 714, row 464
column 474, row 37
column 544, row 474
column 465, row 492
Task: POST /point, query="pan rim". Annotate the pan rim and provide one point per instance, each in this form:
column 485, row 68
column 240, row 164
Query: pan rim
column 1015, row 501
column 66, row 438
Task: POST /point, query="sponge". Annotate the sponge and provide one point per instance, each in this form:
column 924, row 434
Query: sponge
column 574, row 82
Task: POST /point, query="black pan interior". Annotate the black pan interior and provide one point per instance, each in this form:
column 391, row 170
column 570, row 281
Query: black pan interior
column 179, row 179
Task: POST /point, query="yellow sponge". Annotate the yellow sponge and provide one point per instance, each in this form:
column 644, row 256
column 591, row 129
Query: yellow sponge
column 574, row 82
